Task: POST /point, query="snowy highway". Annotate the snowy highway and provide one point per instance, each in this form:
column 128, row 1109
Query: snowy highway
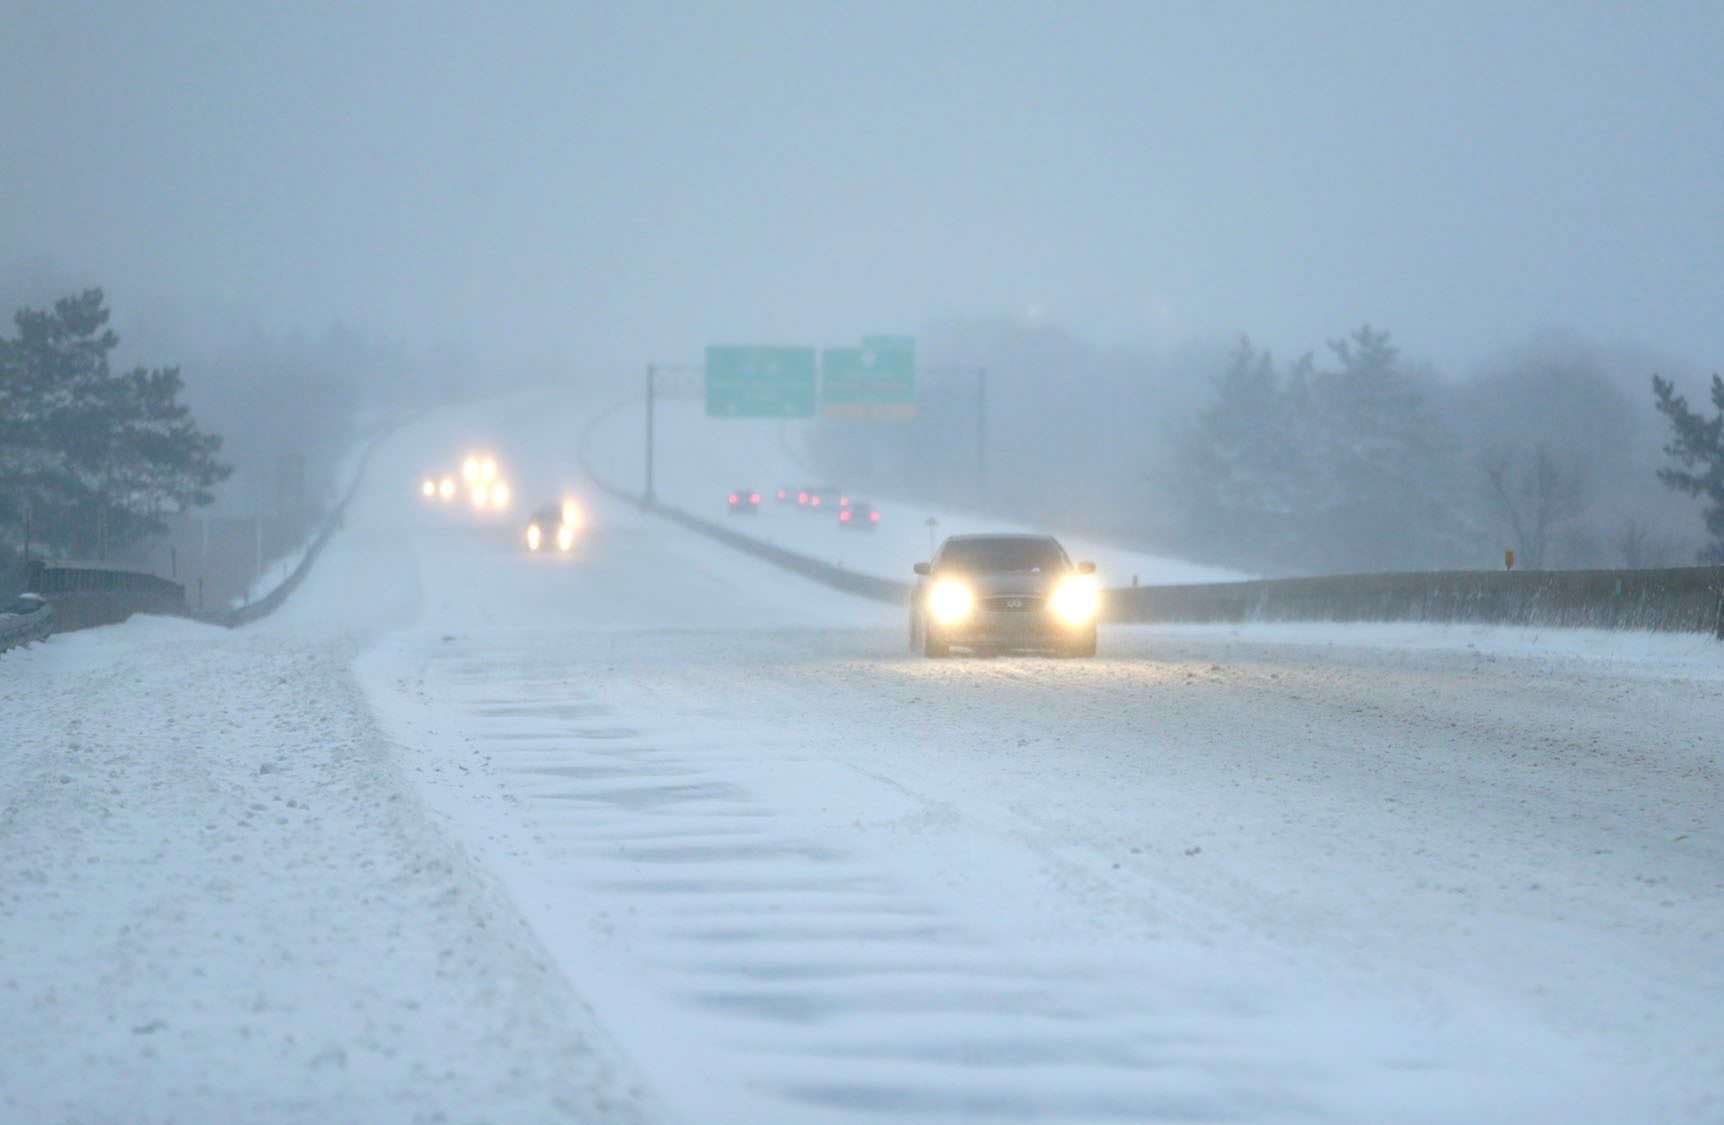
column 657, row 832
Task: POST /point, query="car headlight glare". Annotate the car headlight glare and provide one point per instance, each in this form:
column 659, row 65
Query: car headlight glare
column 565, row 537
column 1076, row 600
column 500, row 495
column 950, row 601
column 533, row 536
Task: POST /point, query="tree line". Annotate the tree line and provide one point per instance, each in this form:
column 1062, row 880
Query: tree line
column 1348, row 458
column 93, row 459
column 1358, row 458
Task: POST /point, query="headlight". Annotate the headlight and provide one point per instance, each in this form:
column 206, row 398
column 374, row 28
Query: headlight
column 446, row 489
column 1076, row 599
column 500, row 495
column 480, row 495
column 950, row 601
column 470, row 470
column 572, row 514
column 565, row 537
column 488, row 470
column 533, row 536
column 428, row 489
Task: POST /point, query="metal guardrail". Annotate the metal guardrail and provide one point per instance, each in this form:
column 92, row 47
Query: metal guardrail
column 848, row 581
column 82, row 597
column 1680, row 599
column 272, row 601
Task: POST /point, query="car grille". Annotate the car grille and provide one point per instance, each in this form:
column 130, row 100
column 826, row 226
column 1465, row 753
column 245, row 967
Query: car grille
column 1013, row 603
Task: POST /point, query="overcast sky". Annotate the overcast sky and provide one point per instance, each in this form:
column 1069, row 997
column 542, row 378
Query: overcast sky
column 608, row 183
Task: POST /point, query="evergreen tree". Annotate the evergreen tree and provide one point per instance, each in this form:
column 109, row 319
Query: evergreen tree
column 1698, row 446
column 92, row 459
column 1246, row 466
column 1383, row 479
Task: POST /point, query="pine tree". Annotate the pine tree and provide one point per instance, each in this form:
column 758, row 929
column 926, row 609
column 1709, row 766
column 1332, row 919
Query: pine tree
column 94, row 460
column 1698, row 446
column 1245, row 466
column 1384, row 483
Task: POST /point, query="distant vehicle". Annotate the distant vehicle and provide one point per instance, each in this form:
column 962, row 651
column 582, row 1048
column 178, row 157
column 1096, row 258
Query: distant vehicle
column 744, row 502
column 554, row 526
column 991, row 593
column 821, row 497
column 486, row 489
column 859, row 515
column 787, row 494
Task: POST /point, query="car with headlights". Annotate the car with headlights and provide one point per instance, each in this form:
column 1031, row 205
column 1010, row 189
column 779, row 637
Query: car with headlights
column 744, row 502
column 820, row 497
column 481, row 480
column 859, row 516
column 994, row 593
column 553, row 528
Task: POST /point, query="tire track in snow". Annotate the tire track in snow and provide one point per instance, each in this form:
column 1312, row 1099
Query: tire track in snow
column 813, row 979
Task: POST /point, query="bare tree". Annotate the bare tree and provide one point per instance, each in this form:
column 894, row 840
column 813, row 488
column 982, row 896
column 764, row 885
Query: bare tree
column 1642, row 545
column 1535, row 494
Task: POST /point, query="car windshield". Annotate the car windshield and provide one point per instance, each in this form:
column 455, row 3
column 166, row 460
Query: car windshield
column 1003, row 555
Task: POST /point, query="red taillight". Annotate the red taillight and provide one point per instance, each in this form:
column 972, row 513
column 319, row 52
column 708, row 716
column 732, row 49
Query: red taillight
column 802, row 497
column 844, row 501
column 754, row 497
column 875, row 516
column 733, row 497
column 843, row 517
column 781, row 494
column 814, row 500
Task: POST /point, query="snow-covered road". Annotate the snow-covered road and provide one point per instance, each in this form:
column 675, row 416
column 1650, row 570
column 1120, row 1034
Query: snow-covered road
column 760, row 864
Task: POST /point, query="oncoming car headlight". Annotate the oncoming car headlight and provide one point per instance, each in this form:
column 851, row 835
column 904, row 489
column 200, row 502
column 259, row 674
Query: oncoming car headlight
column 534, row 535
column 1076, row 599
column 565, row 537
column 950, row 601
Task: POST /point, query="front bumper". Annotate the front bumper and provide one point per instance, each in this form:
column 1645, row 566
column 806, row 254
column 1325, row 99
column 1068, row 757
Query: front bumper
column 1008, row 629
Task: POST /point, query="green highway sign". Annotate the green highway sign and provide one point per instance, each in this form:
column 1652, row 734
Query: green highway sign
column 759, row 382
column 876, row 380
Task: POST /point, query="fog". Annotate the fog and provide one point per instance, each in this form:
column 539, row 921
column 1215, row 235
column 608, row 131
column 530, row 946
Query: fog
column 600, row 183
column 557, row 191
